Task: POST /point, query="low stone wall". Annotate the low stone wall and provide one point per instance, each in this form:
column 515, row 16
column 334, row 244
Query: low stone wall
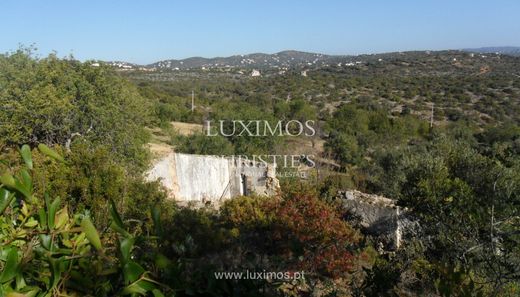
column 378, row 216
column 199, row 178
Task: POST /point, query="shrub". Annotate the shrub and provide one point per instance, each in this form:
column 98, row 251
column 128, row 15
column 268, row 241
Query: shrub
column 46, row 250
column 56, row 101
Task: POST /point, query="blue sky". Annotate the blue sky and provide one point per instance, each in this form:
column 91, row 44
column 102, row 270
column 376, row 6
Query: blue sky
column 148, row 31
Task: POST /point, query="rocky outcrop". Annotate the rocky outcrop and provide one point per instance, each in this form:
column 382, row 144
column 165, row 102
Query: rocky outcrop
column 379, row 217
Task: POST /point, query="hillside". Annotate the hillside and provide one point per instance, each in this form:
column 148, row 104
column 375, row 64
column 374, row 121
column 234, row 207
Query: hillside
column 291, row 59
column 283, row 59
column 476, row 87
column 505, row 50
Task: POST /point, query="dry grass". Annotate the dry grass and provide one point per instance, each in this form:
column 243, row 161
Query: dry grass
column 187, row 128
column 159, row 146
column 159, row 150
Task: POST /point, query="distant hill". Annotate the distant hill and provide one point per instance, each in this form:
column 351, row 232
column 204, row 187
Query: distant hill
column 505, row 50
column 283, row 59
column 303, row 60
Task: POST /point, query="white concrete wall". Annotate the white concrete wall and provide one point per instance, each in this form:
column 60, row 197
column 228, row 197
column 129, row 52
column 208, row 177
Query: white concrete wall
column 210, row 178
column 202, row 177
column 165, row 171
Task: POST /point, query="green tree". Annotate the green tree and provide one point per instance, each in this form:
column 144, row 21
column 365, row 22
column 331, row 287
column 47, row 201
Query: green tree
column 59, row 101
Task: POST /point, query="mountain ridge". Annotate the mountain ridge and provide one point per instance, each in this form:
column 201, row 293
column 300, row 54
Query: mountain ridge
column 282, row 60
column 287, row 58
column 505, row 50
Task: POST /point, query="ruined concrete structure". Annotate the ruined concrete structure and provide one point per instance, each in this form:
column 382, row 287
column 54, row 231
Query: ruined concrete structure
column 378, row 216
column 200, row 178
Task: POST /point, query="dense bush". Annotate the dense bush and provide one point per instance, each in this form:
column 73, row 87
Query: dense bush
column 298, row 232
column 467, row 205
column 89, row 179
column 56, row 101
column 203, row 145
column 47, row 250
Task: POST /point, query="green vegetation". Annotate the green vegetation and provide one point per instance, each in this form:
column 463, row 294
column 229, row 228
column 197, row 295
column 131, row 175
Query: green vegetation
column 49, row 251
column 77, row 218
column 58, row 101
